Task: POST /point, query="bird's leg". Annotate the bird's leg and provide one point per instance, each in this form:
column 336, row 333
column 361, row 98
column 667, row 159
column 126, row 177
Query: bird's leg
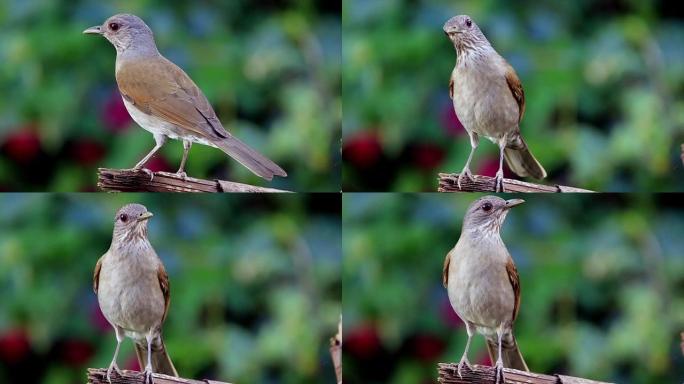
column 499, row 361
column 186, row 149
column 474, row 141
column 498, row 180
column 159, row 142
column 148, row 367
column 464, row 358
column 112, row 365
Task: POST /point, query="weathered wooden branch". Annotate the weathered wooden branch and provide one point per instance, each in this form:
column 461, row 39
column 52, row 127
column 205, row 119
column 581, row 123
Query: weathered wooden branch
column 448, row 182
column 682, row 155
column 485, row 375
column 131, row 180
column 336, row 351
column 99, row 376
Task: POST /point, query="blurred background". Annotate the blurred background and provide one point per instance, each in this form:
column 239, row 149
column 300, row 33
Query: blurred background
column 602, row 280
column 271, row 70
column 255, row 285
column 604, row 85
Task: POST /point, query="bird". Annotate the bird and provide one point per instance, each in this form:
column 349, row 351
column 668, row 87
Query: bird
column 483, row 283
column 162, row 99
column 489, row 100
column 133, row 291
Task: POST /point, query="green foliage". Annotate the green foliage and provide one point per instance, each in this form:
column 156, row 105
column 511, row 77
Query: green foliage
column 601, row 279
column 255, row 283
column 603, row 86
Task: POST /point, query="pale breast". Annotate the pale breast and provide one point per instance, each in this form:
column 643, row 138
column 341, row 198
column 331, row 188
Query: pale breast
column 129, row 293
column 483, row 102
column 159, row 126
column 478, row 287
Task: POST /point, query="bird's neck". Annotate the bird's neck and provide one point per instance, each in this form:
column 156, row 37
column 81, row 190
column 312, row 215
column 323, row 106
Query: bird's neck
column 470, row 53
column 485, row 233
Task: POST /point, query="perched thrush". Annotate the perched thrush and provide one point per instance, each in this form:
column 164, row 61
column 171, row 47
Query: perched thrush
column 488, row 99
column 133, row 291
column 483, row 283
column 163, row 100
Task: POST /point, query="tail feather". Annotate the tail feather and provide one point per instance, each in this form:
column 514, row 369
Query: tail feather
column 521, row 161
column 510, row 353
column 253, row 160
column 161, row 362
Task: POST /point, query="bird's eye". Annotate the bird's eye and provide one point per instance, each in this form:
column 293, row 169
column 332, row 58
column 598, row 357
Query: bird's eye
column 487, row 206
column 114, row 26
column 469, row 23
column 123, row 217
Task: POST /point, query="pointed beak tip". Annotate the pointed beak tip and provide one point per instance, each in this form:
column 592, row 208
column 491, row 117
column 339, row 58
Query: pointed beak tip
column 93, row 30
column 513, row 202
column 145, row 216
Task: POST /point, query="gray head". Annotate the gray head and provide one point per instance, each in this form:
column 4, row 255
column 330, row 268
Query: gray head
column 131, row 222
column 486, row 214
column 125, row 30
column 464, row 34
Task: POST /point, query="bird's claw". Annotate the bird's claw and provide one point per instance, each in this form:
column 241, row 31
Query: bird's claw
column 499, row 374
column 498, row 183
column 465, row 173
column 144, row 170
column 181, row 175
column 109, row 372
column 148, row 376
column 461, row 363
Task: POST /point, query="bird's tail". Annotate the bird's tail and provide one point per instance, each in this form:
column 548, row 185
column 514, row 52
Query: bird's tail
column 510, row 353
column 253, row 160
column 521, row 161
column 161, row 362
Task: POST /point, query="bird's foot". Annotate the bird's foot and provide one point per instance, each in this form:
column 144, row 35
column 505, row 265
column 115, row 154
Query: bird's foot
column 181, row 174
column 145, row 170
column 464, row 362
column 500, row 379
column 465, row 173
column 498, row 182
column 148, row 376
column 115, row 368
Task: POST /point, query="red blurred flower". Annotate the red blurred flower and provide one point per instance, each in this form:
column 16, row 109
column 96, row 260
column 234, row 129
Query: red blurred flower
column 159, row 164
column 427, row 347
column 449, row 317
column 450, row 123
column 22, row 145
column 76, row 352
column 362, row 341
column 490, row 165
column 98, row 320
column 87, row 152
column 132, row 364
column 483, row 359
column 362, row 149
column 427, row 156
column 114, row 114
column 14, row 346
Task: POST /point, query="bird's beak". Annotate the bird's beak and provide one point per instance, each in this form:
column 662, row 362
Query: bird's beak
column 96, row 30
column 513, row 202
column 145, row 216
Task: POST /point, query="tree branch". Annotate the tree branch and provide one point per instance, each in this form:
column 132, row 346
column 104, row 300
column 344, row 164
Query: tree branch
column 448, row 182
column 485, row 375
column 130, row 180
column 99, row 376
column 336, row 351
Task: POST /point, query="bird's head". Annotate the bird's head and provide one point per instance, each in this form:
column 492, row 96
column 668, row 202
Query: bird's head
column 464, row 33
column 123, row 31
column 486, row 214
column 131, row 222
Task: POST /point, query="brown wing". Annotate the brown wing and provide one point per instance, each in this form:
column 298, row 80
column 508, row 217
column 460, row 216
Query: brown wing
column 445, row 270
column 165, row 288
column 451, row 87
column 515, row 284
column 160, row 88
column 516, row 88
column 96, row 274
